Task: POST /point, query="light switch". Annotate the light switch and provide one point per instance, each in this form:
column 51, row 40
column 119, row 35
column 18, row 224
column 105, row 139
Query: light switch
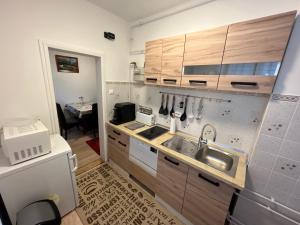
column 111, row 91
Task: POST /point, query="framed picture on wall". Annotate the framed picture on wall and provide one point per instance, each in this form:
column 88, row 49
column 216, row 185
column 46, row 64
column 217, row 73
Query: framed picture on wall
column 66, row 64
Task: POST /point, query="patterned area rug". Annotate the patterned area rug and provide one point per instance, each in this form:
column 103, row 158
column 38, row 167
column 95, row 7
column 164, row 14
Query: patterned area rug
column 106, row 198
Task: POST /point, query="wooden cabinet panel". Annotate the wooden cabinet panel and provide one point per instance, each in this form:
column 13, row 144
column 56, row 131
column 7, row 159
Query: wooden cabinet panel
column 120, row 138
column 250, row 84
column 119, row 156
column 205, row 47
column 170, row 81
column 200, row 209
column 171, row 181
column 259, row 40
column 172, row 66
column 200, row 81
column 152, row 80
column 172, row 55
column 153, row 48
column 142, row 176
column 153, row 54
column 211, row 187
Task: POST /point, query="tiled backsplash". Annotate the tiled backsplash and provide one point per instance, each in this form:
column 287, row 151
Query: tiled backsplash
column 274, row 169
column 236, row 122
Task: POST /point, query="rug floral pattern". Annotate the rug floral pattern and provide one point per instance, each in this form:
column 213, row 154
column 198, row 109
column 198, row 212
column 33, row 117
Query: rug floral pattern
column 106, row 198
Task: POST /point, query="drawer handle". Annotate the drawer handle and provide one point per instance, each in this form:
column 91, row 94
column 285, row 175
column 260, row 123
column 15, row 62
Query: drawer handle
column 171, row 161
column 208, row 180
column 111, row 137
column 151, row 79
column 242, row 83
column 198, row 82
column 122, row 143
column 169, row 81
column 116, row 132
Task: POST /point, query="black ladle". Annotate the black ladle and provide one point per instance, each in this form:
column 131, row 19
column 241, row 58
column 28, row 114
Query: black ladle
column 166, row 111
column 161, row 109
column 172, row 110
column 183, row 116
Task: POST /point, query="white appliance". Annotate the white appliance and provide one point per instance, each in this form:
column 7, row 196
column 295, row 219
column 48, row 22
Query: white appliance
column 145, row 118
column 143, row 155
column 21, row 142
column 40, row 178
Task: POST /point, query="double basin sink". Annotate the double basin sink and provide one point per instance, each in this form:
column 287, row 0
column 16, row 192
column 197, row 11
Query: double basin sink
column 213, row 156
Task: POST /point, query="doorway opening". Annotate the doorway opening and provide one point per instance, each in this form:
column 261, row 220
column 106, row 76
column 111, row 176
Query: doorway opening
column 74, row 77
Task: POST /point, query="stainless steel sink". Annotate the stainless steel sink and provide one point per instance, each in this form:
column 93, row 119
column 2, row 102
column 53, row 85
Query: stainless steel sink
column 181, row 145
column 218, row 159
column 213, row 156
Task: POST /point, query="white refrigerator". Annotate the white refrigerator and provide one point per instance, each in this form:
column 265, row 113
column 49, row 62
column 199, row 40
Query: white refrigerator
column 39, row 178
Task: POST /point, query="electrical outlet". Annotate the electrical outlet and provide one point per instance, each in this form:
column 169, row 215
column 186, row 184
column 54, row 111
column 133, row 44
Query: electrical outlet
column 235, row 141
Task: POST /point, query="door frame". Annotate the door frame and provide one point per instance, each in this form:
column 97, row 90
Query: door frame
column 44, row 46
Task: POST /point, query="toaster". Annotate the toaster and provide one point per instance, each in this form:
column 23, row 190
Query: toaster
column 145, row 118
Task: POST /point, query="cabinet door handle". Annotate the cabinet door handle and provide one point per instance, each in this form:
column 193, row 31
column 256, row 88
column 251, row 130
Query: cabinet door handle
column 208, row 180
column 122, row 143
column 244, row 84
column 171, row 161
column 151, row 79
column 111, row 137
column 117, row 133
column 198, row 82
column 169, row 81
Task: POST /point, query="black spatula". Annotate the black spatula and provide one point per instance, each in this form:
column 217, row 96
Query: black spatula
column 161, row 109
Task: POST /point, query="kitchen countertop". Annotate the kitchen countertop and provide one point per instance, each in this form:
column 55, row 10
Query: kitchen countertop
column 237, row 182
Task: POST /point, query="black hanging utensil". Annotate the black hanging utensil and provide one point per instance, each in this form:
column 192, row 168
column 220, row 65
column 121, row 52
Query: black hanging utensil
column 183, row 116
column 166, row 111
column 161, row 109
column 172, row 110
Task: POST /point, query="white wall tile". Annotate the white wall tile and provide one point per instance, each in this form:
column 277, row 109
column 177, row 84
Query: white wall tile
column 263, row 159
column 257, row 178
column 287, row 167
column 277, row 118
column 269, row 144
column 290, row 150
column 279, row 187
column 293, row 133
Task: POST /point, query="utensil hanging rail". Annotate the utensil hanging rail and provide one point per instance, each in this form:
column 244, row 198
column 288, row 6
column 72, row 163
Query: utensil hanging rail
column 193, row 96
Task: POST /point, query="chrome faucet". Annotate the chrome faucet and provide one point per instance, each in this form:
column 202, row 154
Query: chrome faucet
column 204, row 141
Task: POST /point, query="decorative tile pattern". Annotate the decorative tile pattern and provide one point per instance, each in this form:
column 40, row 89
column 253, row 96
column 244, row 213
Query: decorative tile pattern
column 287, row 167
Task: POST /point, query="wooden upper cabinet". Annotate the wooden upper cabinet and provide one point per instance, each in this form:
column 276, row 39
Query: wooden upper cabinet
column 172, row 55
column 259, row 40
column 205, row 47
column 253, row 53
column 153, row 55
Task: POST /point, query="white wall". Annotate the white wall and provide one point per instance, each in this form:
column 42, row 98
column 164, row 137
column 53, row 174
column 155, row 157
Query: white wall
column 214, row 14
column 73, row 22
column 69, row 86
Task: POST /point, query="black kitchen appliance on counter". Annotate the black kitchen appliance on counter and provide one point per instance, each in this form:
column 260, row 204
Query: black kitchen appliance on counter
column 123, row 112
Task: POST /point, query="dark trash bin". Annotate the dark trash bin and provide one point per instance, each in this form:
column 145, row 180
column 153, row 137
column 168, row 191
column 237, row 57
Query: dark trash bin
column 44, row 212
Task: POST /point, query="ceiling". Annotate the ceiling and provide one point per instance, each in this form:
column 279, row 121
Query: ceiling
column 133, row 10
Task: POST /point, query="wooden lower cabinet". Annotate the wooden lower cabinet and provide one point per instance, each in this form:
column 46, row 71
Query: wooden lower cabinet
column 120, row 157
column 206, row 200
column 171, row 181
column 200, row 209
